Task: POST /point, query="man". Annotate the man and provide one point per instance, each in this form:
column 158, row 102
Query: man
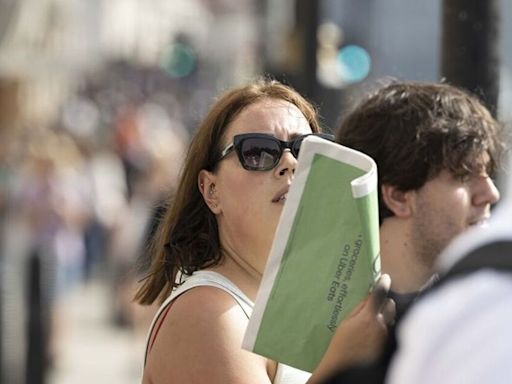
column 467, row 314
column 435, row 147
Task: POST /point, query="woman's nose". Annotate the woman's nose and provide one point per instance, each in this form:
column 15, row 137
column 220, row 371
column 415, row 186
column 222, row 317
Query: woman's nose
column 287, row 164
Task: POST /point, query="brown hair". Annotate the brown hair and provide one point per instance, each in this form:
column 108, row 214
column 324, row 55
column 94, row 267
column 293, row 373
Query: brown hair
column 187, row 239
column 415, row 130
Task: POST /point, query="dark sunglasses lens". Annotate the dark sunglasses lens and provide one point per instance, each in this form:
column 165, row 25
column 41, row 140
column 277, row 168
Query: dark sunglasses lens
column 298, row 141
column 260, row 153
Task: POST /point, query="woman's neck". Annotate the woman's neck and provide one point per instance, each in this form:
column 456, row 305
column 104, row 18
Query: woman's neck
column 241, row 273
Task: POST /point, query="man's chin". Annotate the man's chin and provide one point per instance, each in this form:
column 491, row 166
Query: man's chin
column 480, row 224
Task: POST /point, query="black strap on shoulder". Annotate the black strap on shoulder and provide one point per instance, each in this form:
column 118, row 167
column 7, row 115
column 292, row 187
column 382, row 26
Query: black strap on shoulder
column 496, row 255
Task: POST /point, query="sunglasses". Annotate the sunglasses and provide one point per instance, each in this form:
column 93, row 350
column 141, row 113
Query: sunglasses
column 262, row 152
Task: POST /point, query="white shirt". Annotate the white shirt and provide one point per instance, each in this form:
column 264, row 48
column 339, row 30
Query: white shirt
column 461, row 334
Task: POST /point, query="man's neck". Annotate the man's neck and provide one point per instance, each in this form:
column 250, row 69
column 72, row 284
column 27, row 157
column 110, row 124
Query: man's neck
column 399, row 258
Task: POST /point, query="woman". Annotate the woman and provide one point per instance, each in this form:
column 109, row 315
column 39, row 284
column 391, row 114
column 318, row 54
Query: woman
column 216, row 237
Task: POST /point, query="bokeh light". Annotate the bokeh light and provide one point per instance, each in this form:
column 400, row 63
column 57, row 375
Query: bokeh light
column 354, row 63
column 178, row 60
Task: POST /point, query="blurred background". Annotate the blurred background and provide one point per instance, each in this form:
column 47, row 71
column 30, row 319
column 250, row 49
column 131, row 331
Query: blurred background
column 98, row 99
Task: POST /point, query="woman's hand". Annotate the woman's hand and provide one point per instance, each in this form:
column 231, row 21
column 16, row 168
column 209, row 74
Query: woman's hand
column 359, row 338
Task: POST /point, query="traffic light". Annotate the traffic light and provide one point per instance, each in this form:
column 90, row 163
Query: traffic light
column 178, row 60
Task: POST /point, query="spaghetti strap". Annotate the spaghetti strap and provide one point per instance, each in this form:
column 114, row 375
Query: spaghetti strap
column 198, row 279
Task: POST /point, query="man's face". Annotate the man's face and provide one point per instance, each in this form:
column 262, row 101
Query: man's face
column 446, row 206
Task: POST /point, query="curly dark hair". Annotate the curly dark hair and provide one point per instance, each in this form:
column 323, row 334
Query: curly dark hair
column 415, row 130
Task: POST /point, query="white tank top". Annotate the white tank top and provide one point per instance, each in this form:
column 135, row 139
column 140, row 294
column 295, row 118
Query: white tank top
column 285, row 374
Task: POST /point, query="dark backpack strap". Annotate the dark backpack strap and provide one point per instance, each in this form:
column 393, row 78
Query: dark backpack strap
column 496, row 255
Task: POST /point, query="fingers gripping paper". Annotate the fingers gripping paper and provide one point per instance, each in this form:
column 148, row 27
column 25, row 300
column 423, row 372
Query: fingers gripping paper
column 325, row 255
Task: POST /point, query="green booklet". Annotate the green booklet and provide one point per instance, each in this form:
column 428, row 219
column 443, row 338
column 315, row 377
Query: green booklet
column 325, row 256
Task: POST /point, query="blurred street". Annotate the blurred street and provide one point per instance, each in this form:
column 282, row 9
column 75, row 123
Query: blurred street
column 90, row 348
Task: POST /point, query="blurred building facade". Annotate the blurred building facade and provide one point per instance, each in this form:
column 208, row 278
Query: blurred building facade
column 352, row 46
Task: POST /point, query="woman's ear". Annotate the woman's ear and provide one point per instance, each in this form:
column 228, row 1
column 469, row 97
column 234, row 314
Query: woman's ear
column 206, row 184
column 397, row 201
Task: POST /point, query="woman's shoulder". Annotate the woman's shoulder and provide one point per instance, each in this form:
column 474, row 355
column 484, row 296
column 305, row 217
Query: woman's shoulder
column 202, row 335
column 203, row 302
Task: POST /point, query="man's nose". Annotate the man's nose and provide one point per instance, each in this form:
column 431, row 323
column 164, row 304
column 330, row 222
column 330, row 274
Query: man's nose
column 485, row 191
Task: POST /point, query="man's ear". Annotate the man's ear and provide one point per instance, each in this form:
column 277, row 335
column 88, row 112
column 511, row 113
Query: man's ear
column 398, row 201
column 206, row 184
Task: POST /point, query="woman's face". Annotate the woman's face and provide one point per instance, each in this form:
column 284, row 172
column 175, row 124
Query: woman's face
column 248, row 204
